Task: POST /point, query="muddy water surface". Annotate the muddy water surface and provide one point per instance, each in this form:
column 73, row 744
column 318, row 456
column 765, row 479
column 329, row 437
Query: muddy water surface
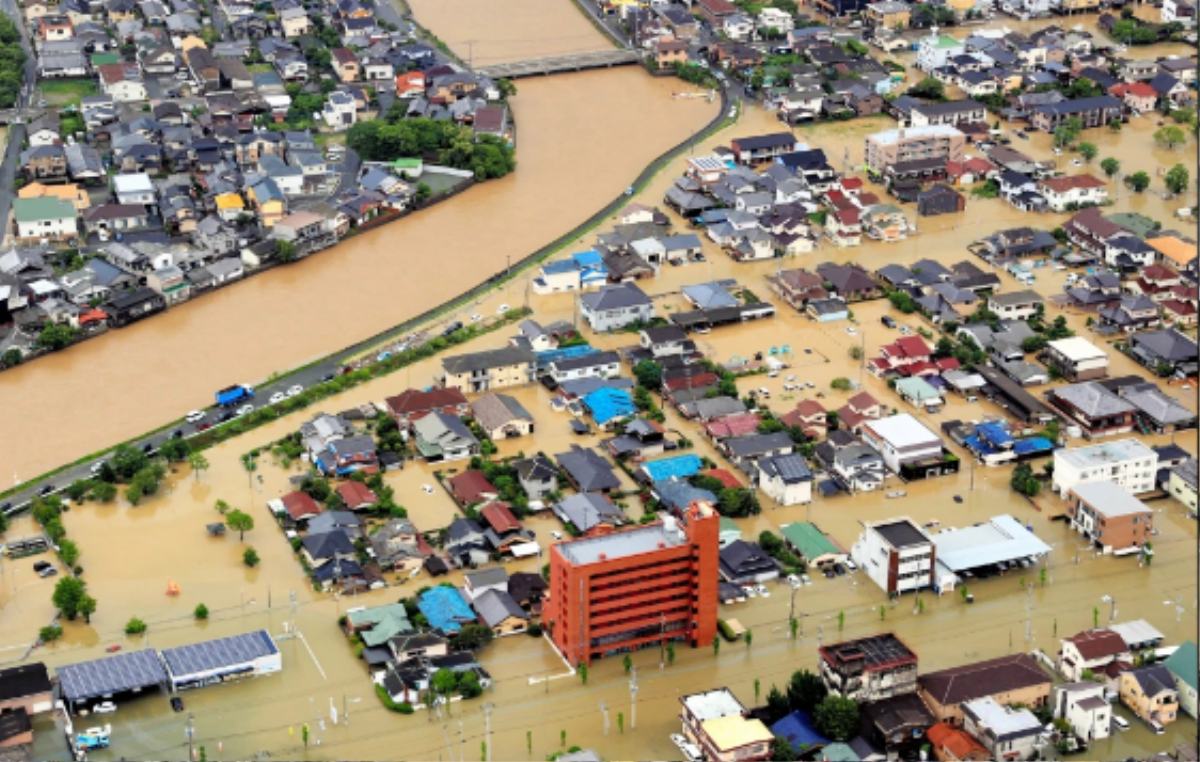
column 488, row 33
column 584, row 137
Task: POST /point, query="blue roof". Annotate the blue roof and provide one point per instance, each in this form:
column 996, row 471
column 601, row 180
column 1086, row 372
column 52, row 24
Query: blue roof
column 976, row 443
column 222, row 653
column 608, row 404
column 111, row 674
column 1032, row 445
column 561, row 266
column 591, row 257
column 995, row 433
column 554, row 355
column 445, row 609
column 677, row 467
column 797, row 728
column 680, row 494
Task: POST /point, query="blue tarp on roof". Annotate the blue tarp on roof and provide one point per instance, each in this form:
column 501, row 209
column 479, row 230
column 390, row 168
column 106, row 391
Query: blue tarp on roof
column 554, row 355
column 1032, row 445
column 561, row 266
column 677, row 467
column 798, row 729
column 445, row 609
column 591, row 257
column 609, row 404
column 979, row 445
column 995, row 433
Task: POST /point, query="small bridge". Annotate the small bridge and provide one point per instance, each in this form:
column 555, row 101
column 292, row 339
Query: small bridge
column 18, row 116
column 557, row 64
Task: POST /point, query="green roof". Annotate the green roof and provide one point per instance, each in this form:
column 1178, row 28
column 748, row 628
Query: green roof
column 1138, row 224
column 729, row 525
column 45, row 208
column 382, row 623
column 406, row 163
column 946, row 41
column 100, row 59
column 809, row 540
column 1182, row 663
column 838, row 752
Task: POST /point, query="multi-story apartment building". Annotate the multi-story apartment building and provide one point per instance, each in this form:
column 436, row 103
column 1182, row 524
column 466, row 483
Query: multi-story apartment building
column 869, row 669
column 1126, row 462
column 896, row 554
column 1077, row 359
column 625, row 591
column 1109, row 517
column 897, row 152
column 490, row 369
column 1096, row 111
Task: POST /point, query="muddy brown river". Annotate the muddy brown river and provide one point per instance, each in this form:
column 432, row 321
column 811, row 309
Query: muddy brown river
column 588, row 139
column 583, row 138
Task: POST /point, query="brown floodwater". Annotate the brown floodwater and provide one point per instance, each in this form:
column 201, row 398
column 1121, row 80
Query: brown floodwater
column 584, row 138
column 130, row 553
column 486, row 33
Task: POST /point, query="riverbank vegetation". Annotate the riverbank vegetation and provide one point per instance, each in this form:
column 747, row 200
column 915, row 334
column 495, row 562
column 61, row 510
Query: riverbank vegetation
column 12, row 62
column 452, row 145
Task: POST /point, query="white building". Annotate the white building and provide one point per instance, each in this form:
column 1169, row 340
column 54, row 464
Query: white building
column 134, row 189
column 1126, row 462
column 1077, row 358
column 786, row 479
column 1084, row 706
column 738, row 27
column 901, row 439
column 250, row 654
column 896, row 554
column 48, row 217
column 340, row 112
column 774, row 18
column 1183, row 11
column 1061, row 192
column 936, row 50
column 1009, row 734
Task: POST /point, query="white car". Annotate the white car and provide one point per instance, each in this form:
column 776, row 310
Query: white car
column 905, row 330
column 764, row 391
column 245, row 410
column 105, row 707
column 1076, row 163
column 810, row 384
column 297, row 389
column 793, row 580
column 502, row 309
column 427, row 489
column 195, row 416
column 97, row 466
column 277, row 397
column 804, row 578
column 476, row 317
column 692, row 752
column 678, row 740
column 788, row 387
column 850, row 330
column 750, row 591
column 851, row 565
column 556, row 534
column 762, row 590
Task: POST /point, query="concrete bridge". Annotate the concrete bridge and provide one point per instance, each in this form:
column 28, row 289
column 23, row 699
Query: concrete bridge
column 556, row 64
column 18, row 115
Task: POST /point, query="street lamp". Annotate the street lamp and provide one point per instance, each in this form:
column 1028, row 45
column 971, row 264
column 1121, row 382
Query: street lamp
column 1112, row 611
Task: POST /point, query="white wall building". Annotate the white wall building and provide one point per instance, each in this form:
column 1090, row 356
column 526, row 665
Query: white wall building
column 901, row 439
column 1084, row 706
column 134, row 189
column 250, row 654
column 896, row 554
column 1126, row 462
column 937, row 49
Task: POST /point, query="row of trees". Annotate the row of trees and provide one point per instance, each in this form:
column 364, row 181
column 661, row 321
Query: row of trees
column 452, row 144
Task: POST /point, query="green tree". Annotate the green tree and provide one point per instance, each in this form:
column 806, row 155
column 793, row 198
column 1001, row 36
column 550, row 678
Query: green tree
column 286, row 251
column 250, row 558
column 836, row 717
column 1110, row 166
column 583, row 673
column 135, row 626
column 175, row 450
column 56, row 336
column 1088, row 151
column 1177, row 179
column 87, row 607
column 902, row 302
column 1170, row 136
column 627, row 663
column 777, row 705
column 1115, row 125
column 104, row 492
column 1138, row 181
column 621, row 723
column 198, row 462
column 50, row 633
column 670, row 653
column 201, row 612
column 783, row 751
column 716, row 644
column 928, row 88
column 127, row 461
column 507, row 87
column 12, row 358
column 805, row 691
column 472, row 637
column 239, row 522
column 68, row 552
column 749, row 637
column 648, row 375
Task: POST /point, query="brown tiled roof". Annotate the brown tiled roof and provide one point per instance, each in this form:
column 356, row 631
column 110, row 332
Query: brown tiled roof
column 984, row 678
column 355, row 494
column 1096, row 644
column 416, row 401
column 499, row 517
column 471, row 486
column 299, row 505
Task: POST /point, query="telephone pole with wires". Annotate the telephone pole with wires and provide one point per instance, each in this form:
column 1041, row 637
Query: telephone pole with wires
column 633, row 690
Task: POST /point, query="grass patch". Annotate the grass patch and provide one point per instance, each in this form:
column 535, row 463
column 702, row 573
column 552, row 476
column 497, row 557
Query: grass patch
column 327, row 139
column 64, row 92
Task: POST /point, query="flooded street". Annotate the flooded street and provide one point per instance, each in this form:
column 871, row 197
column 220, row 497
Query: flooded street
column 584, row 137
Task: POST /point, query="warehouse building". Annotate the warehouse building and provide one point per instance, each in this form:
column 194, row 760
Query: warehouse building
column 223, row 660
column 113, row 677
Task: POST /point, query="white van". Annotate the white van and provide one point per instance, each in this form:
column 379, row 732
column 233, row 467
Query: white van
column 1120, row 723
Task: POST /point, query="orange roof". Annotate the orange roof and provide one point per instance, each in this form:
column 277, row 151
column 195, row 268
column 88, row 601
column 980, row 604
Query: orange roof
column 1180, row 252
column 499, row 516
column 726, row 478
column 66, row 192
column 959, row 743
column 354, row 494
column 300, row 506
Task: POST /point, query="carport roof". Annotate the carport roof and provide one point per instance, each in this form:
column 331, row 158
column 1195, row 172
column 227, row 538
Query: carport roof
column 112, row 674
column 1001, row 539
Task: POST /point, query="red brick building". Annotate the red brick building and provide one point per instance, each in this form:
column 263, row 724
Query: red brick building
column 630, row 590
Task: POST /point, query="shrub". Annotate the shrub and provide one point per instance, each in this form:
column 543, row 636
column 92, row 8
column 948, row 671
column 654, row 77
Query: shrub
column 400, row 707
column 135, row 626
column 50, row 633
column 201, row 612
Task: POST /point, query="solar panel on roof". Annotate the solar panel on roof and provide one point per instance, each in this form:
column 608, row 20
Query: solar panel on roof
column 216, row 654
column 112, row 674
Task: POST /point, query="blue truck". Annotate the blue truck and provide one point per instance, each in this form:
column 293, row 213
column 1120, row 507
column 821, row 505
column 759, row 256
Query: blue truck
column 234, row 394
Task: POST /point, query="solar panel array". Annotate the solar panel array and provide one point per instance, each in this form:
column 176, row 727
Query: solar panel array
column 112, row 674
column 220, row 653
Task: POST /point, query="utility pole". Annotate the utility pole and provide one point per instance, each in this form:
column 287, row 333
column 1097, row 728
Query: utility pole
column 662, row 640
column 792, row 611
column 604, row 713
column 633, row 689
column 462, row 740
column 487, row 728
column 1028, row 613
column 190, row 732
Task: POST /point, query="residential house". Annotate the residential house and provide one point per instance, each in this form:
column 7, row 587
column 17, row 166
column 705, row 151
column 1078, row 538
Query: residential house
column 502, row 416
column 1076, row 358
column 1167, row 351
column 1096, row 111
column 745, row 563
column 588, row 471
column 590, row 513
column 44, row 219
column 1096, row 410
column 489, row 369
column 1150, row 693
column 1084, row 707
column 443, row 437
column 1063, row 194
column 398, row 545
column 869, row 669
column 1014, row 679
column 537, row 476
column 1015, row 305
column 614, row 307
column 719, row 726
column 1008, row 733
column 1182, row 666
column 1100, row 653
column 1109, row 517
column 1126, row 462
